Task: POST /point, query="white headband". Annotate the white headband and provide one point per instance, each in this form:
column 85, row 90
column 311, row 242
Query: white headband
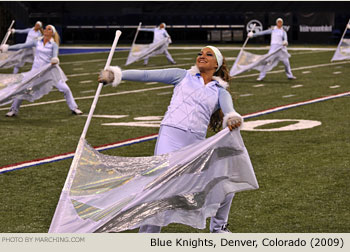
column 41, row 24
column 279, row 19
column 53, row 29
column 218, row 56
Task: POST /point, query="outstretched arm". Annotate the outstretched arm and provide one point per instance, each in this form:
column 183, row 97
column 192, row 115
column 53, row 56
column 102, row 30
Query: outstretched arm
column 232, row 119
column 23, row 45
column 266, row 32
column 146, row 29
column 168, row 76
column 21, row 31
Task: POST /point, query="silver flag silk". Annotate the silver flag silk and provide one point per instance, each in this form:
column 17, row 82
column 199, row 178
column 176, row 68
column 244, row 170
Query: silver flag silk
column 111, row 194
column 18, row 58
column 30, row 85
column 246, row 61
column 141, row 51
column 343, row 51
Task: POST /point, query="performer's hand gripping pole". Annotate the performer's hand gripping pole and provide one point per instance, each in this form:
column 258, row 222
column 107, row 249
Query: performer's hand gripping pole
column 8, row 33
column 246, row 40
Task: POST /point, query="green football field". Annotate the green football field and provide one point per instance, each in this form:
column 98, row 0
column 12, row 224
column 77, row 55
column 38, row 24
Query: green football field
column 303, row 174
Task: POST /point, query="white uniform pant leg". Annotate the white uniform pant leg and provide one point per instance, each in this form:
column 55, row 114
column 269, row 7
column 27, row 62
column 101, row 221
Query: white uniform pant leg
column 221, row 217
column 170, row 139
column 168, row 56
column 273, row 47
column 287, row 68
column 15, row 105
column 63, row 87
column 145, row 61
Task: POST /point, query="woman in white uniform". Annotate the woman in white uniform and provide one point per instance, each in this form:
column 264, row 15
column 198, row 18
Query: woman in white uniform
column 159, row 34
column 25, row 55
column 200, row 99
column 278, row 38
column 46, row 52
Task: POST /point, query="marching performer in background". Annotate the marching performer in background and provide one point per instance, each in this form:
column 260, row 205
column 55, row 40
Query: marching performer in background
column 23, row 56
column 159, row 34
column 278, row 38
column 200, row 99
column 46, row 53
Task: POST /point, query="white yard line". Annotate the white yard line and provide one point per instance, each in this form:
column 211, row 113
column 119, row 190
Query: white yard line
column 91, row 97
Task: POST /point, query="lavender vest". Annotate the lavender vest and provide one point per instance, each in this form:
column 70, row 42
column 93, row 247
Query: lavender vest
column 192, row 104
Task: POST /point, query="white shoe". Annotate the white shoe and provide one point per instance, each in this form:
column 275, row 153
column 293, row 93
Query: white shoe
column 292, row 78
column 259, row 79
column 11, row 113
column 223, row 229
column 77, row 112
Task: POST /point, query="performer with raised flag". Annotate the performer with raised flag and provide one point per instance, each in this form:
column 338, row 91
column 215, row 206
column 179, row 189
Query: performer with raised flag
column 343, row 50
column 46, row 53
column 161, row 41
column 200, row 99
column 278, row 38
column 26, row 55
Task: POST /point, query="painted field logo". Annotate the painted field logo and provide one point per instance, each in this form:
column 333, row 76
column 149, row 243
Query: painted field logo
column 258, row 26
column 275, row 125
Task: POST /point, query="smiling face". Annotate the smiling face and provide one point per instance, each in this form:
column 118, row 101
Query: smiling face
column 48, row 32
column 206, row 60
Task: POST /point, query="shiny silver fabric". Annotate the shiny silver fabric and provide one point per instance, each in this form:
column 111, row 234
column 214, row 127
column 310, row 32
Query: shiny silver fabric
column 113, row 194
column 246, row 61
column 343, row 50
column 18, row 58
column 30, row 85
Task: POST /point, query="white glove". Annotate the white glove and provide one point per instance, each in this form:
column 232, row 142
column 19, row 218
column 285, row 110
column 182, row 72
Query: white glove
column 4, row 48
column 348, row 26
column 13, row 30
column 55, row 61
column 112, row 75
column 285, row 43
column 233, row 120
column 250, row 34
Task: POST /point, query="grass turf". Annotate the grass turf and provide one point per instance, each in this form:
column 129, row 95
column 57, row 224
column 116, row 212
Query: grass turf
column 303, row 175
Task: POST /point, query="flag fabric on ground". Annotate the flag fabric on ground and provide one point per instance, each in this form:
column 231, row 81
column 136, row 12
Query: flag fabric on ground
column 30, row 85
column 141, row 51
column 18, row 58
column 343, row 50
column 246, row 61
column 112, row 194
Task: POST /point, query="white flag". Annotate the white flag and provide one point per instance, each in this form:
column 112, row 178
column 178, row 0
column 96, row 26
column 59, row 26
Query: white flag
column 140, row 51
column 246, row 61
column 111, row 194
column 343, row 50
column 30, row 85
column 18, row 58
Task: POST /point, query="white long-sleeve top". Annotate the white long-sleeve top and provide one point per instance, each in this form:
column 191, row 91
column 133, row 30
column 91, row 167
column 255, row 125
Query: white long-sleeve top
column 32, row 34
column 43, row 53
column 278, row 35
column 159, row 34
column 193, row 102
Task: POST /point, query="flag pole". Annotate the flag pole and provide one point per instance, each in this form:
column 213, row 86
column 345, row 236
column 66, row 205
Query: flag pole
column 133, row 42
column 246, row 41
column 346, row 28
column 8, row 33
column 92, row 109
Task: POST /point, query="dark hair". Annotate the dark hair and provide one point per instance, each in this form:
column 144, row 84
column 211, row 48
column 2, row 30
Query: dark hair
column 217, row 117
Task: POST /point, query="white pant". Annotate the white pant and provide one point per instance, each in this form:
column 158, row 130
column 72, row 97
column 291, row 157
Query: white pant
column 62, row 87
column 285, row 62
column 171, row 139
column 168, row 56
